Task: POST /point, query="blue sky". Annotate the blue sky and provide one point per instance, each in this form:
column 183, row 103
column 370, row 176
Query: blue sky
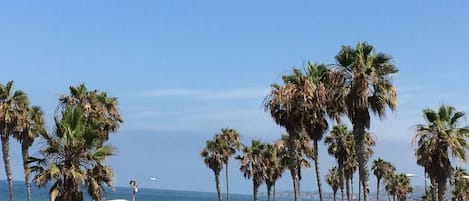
column 182, row 70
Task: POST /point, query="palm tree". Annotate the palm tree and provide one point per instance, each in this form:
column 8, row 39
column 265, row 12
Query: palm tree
column 11, row 106
column 273, row 155
column 380, row 169
column 97, row 106
column 391, row 184
column 368, row 86
column 440, row 136
column 460, row 183
column 350, row 167
column 214, row 160
column 286, row 104
column 230, row 142
column 315, row 123
column 72, row 159
column 403, row 187
column 341, row 145
column 31, row 127
column 333, row 179
column 253, row 165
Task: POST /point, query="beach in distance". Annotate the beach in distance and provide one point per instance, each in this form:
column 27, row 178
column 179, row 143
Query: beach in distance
column 125, row 193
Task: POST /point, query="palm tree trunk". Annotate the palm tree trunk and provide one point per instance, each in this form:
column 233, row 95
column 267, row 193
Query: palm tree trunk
column 377, row 189
column 341, row 179
column 293, row 165
column 24, row 152
column 441, row 191
column 275, row 193
column 316, row 165
column 269, row 191
column 359, row 134
column 6, row 160
column 347, row 188
column 335, row 194
column 351, row 185
column 226, row 177
column 359, row 190
column 217, row 183
column 255, row 186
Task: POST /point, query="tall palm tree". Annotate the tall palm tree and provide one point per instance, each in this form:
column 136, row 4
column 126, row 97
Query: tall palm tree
column 315, row 123
column 31, row 127
column 214, row 160
column 286, row 104
column 381, row 168
column 273, row 155
column 72, row 159
column 12, row 103
column 368, row 87
column 460, row 183
column 333, row 179
column 253, row 165
column 440, row 136
column 230, row 143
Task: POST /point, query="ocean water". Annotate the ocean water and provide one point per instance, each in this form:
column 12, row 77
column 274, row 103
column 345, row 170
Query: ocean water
column 143, row 194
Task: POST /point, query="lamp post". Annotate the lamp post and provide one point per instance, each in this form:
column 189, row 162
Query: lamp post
column 426, row 180
column 133, row 184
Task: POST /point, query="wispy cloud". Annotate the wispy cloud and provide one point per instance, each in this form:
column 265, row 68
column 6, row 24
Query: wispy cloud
column 250, row 122
column 236, row 93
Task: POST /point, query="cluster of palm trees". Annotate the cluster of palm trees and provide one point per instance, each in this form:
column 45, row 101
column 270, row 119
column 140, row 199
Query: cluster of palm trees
column 73, row 154
column 357, row 86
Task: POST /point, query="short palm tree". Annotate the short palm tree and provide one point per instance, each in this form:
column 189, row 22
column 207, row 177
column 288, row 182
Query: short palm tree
column 273, row 155
column 253, row 165
column 214, row 160
column 341, row 145
column 97, row 107
column 440, row 136
column 398, row 185
column 230, row 142
column 31, row 127
column 13, row 105
column 72, row 159
column 391, row 185
column 333, row 179
column 368, row 87
column 380, row 169
column 403, row 187
column 460, row 183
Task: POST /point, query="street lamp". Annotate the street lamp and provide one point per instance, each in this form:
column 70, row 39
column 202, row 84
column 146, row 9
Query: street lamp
column 426, row 180
column 134, row 186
